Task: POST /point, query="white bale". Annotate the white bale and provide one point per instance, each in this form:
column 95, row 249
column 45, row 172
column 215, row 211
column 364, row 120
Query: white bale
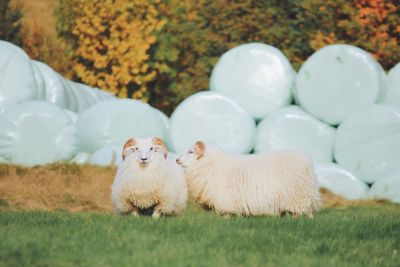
column 392, row 96
column 212, row 118
column 165, row 121
column 17, row 79
column 40, row 82
column 35, row 133
column 90, row 92
column 72, row 115
column 292, row 128
column 107, row 156
column 112, row 122
column 71, row 98
column 340, row 181
column 368, row 142
column 172, row 156
column 337, row 80
column 257, row 76
column 55, row 87
column 83, row 98
column 81, row 158
column 387, row 187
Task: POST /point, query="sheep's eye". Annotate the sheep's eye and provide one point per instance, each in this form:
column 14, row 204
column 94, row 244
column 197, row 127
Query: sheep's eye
column 190, row 152
column 136, row 148
column 151, row 148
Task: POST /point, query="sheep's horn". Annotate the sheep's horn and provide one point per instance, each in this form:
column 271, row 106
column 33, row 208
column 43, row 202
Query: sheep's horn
column 129, row 143
column 159, row 142
column 200, row 147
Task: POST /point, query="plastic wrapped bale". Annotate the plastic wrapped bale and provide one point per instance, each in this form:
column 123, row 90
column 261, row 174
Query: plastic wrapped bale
column 213, row 118
column 81, row 158
column 172, row 156
column 387, row 187
column 17, row 79
column 72, row 115
column 337, row 80
column 55, row 87
column 71, row 98
column 257, row 76
column 368, row 142
column 340, row 181
column 83, row 98
column 35, row 133
column 112, row 122
column 107, row 156
column 40, row 82
column 92, row 95
column 292, row 128
column 392, row 96
column 165, row 121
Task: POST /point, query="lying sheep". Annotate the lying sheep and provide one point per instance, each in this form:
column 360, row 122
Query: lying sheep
column 146, row 179
column 263, row 184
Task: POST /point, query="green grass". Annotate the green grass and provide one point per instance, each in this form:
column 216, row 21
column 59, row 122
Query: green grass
column 353, row 236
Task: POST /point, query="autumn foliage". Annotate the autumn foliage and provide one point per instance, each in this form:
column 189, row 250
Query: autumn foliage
column 163, row 51
column 10, row 22
column 113, row 40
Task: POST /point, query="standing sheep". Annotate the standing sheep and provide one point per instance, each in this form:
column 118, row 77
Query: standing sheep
column 264, row 184
column 146, row 179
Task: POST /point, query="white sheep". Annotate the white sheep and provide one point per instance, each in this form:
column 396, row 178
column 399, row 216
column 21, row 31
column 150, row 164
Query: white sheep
column 272, row 183
column 146, row 179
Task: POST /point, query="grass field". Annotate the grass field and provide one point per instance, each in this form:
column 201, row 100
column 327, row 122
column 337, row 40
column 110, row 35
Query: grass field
column 60, row 215
column 357, row 236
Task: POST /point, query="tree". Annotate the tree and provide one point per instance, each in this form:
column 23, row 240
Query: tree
column 10, row 21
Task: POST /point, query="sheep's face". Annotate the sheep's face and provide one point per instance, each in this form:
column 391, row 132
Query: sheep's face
column 143, row 151
column 194, row 154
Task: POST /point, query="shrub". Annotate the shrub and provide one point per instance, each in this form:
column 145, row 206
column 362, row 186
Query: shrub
column 111, row 43
column 10, row 21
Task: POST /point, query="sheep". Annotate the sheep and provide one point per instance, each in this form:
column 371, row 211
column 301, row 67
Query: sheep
column 147, row 180
column 271, row 183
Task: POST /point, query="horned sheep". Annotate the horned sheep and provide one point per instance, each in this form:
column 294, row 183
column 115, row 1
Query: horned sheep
column 271, row 183
column 146, row 179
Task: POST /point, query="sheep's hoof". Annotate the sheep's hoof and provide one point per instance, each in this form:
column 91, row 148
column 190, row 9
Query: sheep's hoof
column 134, row 213
column 226, row 216
column 310, row 215
column 156, row 215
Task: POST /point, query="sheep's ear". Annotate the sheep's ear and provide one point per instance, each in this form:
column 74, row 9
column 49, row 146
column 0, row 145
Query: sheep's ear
column 200, row 149
column 159, row 142
column 128, row 144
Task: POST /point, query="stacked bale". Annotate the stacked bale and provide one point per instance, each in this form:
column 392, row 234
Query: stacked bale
column 36, row 132
column 353, row 141
column 38, row 110
column 17, row 79
column 213, row 118
column 257, row 76
column 112, row 122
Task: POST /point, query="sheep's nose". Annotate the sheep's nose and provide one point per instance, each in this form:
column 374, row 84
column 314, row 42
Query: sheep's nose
column 143, row 159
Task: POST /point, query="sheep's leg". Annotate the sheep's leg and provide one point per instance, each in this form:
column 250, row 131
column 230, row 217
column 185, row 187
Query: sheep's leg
column 134, row 211
column 226, row 216
column 162, row 209
column 156, row 214
column 310, row 215
column 127, row 208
